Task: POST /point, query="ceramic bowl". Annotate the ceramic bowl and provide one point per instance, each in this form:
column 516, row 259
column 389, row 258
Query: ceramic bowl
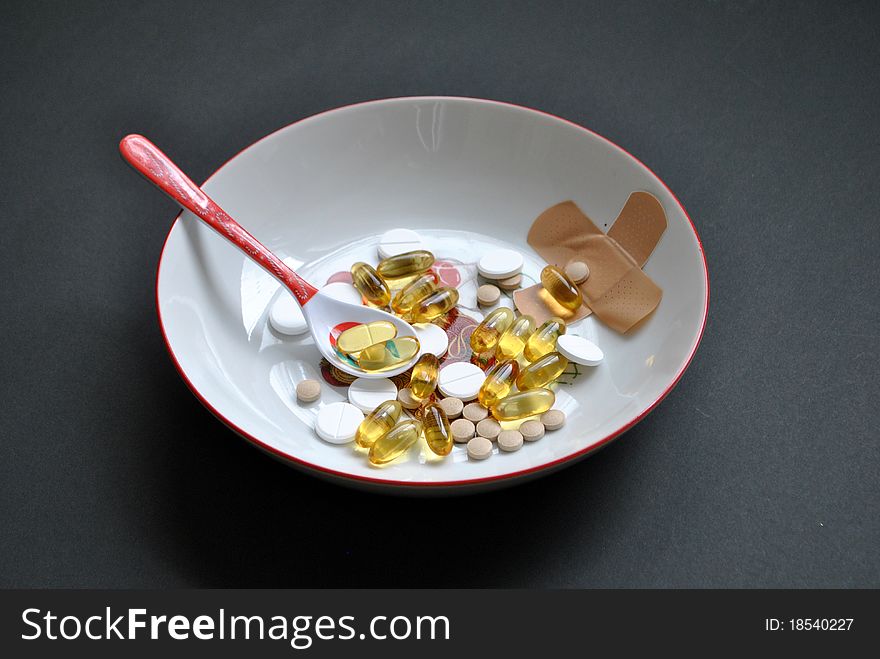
column 466, row 174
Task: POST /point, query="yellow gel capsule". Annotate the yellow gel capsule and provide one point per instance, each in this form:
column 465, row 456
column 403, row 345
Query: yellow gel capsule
column 523, row 404
column 485, row 336
column 415, row 291
column 435, row 305
column 395, row 442
column 561, row 288
column 438, row 432
column 543, row 340
column 377, row 423
column 408, row 263
column 370, row 284
column 423, row 380
column 388, row 355
column 542, row 371
column 362, row 336
column 513, row 341
column 498, row 383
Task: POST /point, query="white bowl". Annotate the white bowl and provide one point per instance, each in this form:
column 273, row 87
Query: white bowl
column 462, row 172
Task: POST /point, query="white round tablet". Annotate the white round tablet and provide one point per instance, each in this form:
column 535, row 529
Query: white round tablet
column 500, row 264
column 286, row 316
column 579, row 350
column 368, row 394
column 398, row 241
column 337, row 423
column 432, row 338
column 461, row 380
column 343, row 291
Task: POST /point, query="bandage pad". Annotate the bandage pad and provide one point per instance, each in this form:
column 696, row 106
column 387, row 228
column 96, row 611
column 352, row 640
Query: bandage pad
column 617, row 290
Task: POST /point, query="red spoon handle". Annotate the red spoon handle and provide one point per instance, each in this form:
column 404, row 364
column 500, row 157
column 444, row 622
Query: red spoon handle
column 158, row 168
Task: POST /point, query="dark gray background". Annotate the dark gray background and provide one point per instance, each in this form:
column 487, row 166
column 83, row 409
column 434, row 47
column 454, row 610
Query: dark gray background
column 761, row 467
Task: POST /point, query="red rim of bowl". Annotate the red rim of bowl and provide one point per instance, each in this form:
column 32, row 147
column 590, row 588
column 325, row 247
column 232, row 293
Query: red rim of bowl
column 463, row 482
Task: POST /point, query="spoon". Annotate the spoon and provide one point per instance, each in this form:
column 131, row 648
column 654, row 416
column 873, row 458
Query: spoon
column 322, row 312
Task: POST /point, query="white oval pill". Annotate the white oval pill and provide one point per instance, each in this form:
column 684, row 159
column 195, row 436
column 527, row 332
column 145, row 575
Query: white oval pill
column 398, row 241
column 500, row 264
column 337, row 423
column 286, row 316
column 461, row 380
column 368, row 394
column 432, row 338
column 579, row 350
column 343, row 291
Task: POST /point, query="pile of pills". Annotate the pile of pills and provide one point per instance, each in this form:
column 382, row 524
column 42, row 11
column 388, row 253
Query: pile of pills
column 505, row 405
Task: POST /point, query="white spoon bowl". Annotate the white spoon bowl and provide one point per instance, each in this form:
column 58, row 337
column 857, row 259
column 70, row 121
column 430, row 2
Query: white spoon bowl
column 326, row 311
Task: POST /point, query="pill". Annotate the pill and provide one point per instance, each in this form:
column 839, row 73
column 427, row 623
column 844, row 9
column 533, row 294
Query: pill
column 509, row 284
column 435, row 305
column 362, row 336
column 510, row 440
column 395, row 442
column 286, row 316
column 553, row 419
column 398, row 241
column 461, row 380
column 542, row 371
column 437, row 429
column 388, row 355
column 414, row 292
column 462, row 430
column 343, row 291
column 377, row 423
column 561, row 288
column 452, row 406
column 423, row 379
column 474, row 412
column 579, row 350
column 531, row 430
column 337, row 423
column 432, row 338
column 523, row 404
column 479, row 448
column 513, row 341
column 498, row 383
column 308, row 391
column 543, row 339
column 370, row 284
column 405, row 264
column 489, row 428
column 407, row 400
column 500, row 264
column 485, row 335
column 488, row 295
column 368, row 394
column 577, row 271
